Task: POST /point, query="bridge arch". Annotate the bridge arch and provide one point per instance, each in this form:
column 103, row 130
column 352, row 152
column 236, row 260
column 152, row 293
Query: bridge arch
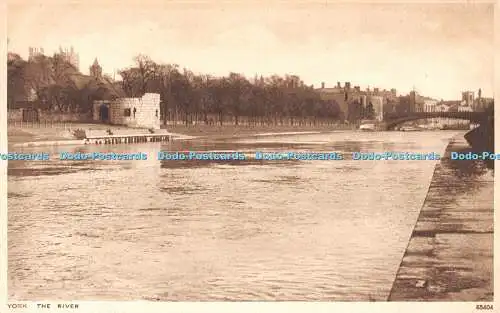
column 392, row 120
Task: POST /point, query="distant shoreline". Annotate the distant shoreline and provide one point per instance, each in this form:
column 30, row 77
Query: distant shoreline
column 40, row 133
column 223, row 131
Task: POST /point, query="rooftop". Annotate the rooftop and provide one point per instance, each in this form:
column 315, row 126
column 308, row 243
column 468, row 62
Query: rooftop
column 82, row 81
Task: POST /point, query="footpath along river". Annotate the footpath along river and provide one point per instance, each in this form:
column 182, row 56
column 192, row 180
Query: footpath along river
column 211, row 230
column 450, row 254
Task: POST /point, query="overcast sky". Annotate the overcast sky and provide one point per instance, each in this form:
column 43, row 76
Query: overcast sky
column 440, row 50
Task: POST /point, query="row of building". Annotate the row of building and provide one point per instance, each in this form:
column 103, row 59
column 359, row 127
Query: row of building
column 387, row 101
column 345, row 96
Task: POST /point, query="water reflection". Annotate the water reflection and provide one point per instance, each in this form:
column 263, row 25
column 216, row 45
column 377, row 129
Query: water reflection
column 467, row 170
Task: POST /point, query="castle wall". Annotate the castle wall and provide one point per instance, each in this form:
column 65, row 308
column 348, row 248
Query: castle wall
column 118, row 108
column 121, row 111
column 148, row 113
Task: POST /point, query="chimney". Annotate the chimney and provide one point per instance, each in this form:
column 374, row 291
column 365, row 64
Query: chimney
column 338, row 85
column 323, row 85
column 348, row 85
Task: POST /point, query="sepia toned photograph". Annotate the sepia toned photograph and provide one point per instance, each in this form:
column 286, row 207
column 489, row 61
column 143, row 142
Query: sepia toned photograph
column 249, row 151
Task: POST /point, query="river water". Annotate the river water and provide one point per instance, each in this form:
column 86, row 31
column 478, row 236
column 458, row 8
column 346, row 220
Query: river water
column 246, row 230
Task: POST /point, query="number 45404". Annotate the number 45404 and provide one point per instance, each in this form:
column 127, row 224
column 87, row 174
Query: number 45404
column 484, row 307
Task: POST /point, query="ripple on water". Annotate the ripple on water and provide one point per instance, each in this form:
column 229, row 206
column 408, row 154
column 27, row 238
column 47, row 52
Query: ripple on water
column 215, row 231
column 182, row 189
column 18, row 195
column 286, row 179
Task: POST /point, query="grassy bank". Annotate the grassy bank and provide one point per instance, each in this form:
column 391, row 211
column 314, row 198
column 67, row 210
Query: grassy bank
column 40, row 132
column 20, row 135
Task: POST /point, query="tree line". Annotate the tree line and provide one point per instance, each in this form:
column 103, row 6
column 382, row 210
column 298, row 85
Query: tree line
column 185, row 96
column 193, row 97
column 52, row 84
column 56, row 85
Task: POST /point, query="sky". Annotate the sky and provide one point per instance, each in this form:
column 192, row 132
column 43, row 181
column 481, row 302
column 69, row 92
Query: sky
column 439, row 50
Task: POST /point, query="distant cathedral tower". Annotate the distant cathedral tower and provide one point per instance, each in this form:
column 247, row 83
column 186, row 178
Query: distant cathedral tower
column 96, row 70
column 479, row 101
column 468, row 98
column 70, row 56
column 34, row 52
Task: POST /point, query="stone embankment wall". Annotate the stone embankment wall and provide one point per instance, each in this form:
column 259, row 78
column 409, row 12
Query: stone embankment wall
column 450, row 253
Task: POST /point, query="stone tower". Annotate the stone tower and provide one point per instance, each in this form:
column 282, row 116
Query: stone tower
column 70, row 56
column 96, row 70
column 34, row 52
column 468, row 98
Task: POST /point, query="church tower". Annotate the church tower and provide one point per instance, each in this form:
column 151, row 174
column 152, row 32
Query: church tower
column 96, row 70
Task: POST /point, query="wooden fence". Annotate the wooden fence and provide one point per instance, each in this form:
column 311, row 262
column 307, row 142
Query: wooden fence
column 42, row 124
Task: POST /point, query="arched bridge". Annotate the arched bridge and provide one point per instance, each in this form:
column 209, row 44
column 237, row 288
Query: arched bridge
column 393, row 119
